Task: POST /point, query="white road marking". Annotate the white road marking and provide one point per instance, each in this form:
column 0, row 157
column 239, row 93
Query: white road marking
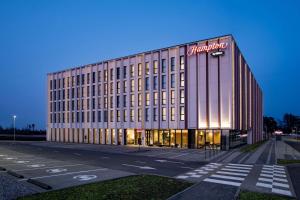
column 264, row 185
column 196, row 176
column 231, row 173
column 84, row 177
column 187, row 167
column 280, row 179
column 222, row 182
column 236, row 167
column 235, row 170
column 266, row 179
column 279, row 191
column 93, row 170
column 47, row 167
column 240, row 165
column 182, row 177
column 141, row 167
column 164, row 161
column 53, row 171
column 142, row 162
column 227, row 177
column 281, row 185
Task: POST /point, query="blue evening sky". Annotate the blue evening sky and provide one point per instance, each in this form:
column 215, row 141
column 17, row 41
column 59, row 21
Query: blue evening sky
column 37, row 37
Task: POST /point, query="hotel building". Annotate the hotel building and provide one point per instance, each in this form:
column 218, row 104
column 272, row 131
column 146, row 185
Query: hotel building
column 195, row 95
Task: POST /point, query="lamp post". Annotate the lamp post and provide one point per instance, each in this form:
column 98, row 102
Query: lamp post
column 14, row 117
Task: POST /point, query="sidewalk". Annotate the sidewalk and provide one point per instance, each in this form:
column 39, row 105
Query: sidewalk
column 285, row 151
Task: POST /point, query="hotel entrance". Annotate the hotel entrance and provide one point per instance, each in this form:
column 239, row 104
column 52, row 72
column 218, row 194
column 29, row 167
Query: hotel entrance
column 132, row 136
column 167, row 138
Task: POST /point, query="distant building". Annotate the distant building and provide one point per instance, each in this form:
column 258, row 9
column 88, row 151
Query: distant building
column 195, row 95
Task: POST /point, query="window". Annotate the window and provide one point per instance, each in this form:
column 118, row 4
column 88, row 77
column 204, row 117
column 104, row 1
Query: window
column 87, row 91
column 118, row 73
column 163, row 66
column 93, row 103
column 99, row 116
column 111, row 102
column 111, row 116
column 105, row 116
column 50, row 84
column 111, row 88
column 99, row 103
column 181, row 62
column 118, row 87
column 99, row 90
column 182, row 79
column 181, row 96
column 147, row 68
column 131, row 70
column 155, row 98
column 105, row 102
column 78, row 80
column 139, row 114
column 132, row 85
column 172, row 80
column 99, row 76
column 125, row 115
column 105, row 75
column 155, row 114
column 124, row 86
column 172, row 64
column 82, row 117
column 163, row 98
column 118, row 101
column 172, row 114
column 124, row 71
column 111, row 74
column 132, row 115
column 163, row 81
column 181, row 113
column 146, row 114
column 93, row 116
column 94, row 77
column 164, row 114
column 82, row 79
column 93, row 90
column 87, row 116
column 139, row 84
column 147, row 83
column 155, row 66
column 172, row 97
column 124, row 101
column 147, row 99
column 155, row 83
column 105, row 88
column 139, row 69
column 139, row 99
column 132, row 100
column 118, row 116
column 88, row 79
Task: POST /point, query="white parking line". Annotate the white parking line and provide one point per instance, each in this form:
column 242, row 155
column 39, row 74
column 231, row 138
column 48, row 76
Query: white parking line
column 92, row 170
column 222, row 182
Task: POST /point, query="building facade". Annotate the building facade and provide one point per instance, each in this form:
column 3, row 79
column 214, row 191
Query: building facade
column 195, row 95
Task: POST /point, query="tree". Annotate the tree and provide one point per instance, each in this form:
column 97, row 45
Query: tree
column 270, row 124
column 32, row 125
column 291, row 123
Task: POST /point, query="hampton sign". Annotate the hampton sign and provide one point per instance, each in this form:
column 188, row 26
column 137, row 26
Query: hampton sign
column 206, row 48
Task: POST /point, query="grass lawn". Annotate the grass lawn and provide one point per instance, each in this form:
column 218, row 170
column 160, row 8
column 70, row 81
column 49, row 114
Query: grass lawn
column 286, row 162
column 132, row 187
column 246, row 195
column 252, row 147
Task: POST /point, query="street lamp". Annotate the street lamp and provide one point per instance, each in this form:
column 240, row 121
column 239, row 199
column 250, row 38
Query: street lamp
column 14, row 117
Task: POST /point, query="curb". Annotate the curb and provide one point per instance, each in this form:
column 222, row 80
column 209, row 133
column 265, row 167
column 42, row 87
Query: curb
column 39, row 184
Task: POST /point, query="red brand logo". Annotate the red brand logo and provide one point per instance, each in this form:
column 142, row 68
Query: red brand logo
column 206, row 48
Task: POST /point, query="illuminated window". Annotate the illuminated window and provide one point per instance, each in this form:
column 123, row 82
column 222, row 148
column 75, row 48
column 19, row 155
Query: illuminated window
column 181, row 62
column 111, row 116
column 111, row 88
column 155, row 98
column 118, row 116
column 132, row 85
column 131, row 70
column 118, row 87
column 132, row 100
column 172, row 114
column 164, row 114
column 132, row 115
column 140, row 69
column 125, row 115
column 182, row 79
column 163, row 98
column 139, row 114
column 172, row 97
column 105, row 75
column 181, row 113
column 124, row 86
column 181, row 96
column 139, row 99
column 139, row 84
column 147, row 99
column 155, row 66
column 147, row 68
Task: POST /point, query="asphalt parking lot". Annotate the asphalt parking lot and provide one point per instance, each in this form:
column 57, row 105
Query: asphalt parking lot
column 50, row 168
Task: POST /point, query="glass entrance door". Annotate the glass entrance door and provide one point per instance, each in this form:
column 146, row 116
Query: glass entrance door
column 200, row 139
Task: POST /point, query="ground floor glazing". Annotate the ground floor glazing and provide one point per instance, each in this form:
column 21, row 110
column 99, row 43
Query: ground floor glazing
column 215, row 139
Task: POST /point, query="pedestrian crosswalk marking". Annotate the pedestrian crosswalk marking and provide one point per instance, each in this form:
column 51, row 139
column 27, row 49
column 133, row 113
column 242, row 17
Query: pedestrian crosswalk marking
column 235, row 170
column 227, row 177
column 222, row 182
column 231, row 173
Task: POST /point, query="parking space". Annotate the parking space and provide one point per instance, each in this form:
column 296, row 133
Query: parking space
column 34, row 171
